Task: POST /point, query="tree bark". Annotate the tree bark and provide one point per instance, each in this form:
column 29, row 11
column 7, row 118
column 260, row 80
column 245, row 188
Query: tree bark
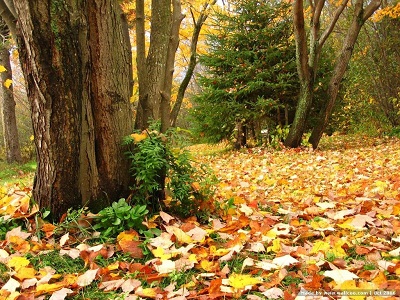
column 150, row 94
column 305, row 67
column 79, row 87
column 308, row 61
column 7, row 103
column 359, row 18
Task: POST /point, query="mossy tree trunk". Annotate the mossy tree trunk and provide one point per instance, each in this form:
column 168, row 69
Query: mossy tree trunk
column 360, row 15
column 76, row 60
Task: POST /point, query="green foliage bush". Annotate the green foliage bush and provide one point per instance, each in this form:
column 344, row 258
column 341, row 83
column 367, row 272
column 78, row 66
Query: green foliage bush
column 120, row 216
column 249, row 71
column 166, row 177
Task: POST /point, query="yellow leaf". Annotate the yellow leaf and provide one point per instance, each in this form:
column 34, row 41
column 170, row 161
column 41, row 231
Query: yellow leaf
column 208, row 266
column 25, row 273
column 219, row 252
column 181, row 236
column 8, row 83
column 320, row 246
column 48, row 288
column 347, row 224
column 2, row 69
column 243, row 281
column 148, row 292
column 276, row 246
column 159, row 252
column 138, row 137
column 18, row 262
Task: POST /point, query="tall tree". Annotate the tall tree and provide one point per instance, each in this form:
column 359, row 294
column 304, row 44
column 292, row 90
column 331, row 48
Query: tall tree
column 198, row 24
column 308, row 56
column 7, row 102
column 156, row 69
column 250, row 73
column 76, row 61
column 360, row 15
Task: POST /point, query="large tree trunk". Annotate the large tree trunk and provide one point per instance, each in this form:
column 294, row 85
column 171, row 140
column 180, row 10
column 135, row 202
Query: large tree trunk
column 7, row 108
column 77, row 64
column 359, row 18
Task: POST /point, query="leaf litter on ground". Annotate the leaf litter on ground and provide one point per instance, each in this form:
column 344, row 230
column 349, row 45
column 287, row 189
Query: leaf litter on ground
column 291, row 223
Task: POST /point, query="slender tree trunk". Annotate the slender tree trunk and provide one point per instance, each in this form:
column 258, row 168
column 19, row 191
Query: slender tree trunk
column 308, row 62
column 143, row 110
column 152, row 79
column 7, row 109
column 359, row 18
column 305, row 66
column 165, row 108
column 192, row 63
column 79, row 87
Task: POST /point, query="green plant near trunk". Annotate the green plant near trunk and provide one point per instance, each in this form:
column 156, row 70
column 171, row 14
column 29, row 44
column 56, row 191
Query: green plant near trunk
column 166, row 177
column 120, row 216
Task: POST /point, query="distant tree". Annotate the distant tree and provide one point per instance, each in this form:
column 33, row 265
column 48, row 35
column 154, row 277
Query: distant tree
column 155, row 67
column 250, row 71
column 76, row 61
column 7, row 102
column 308, row 57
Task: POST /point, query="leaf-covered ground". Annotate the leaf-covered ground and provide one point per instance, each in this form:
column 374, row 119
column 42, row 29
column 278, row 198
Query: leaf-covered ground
column 293, row 224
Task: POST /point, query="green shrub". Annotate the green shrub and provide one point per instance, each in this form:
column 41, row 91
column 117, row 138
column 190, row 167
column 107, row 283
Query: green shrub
column 166, row 177
column 120, row 216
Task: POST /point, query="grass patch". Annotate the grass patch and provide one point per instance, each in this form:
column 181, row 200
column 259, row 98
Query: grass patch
column 92, row 292
column 63, row 264
column 3, row 272
column 21, row 174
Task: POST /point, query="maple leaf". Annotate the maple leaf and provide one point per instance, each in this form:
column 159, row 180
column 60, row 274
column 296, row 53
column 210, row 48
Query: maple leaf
column 11, row 285
column 61, row 294
column 18, row 262
column 273, row 293
column 243, row 281
column 8, row 83
column 87, row 277
column 340, row 276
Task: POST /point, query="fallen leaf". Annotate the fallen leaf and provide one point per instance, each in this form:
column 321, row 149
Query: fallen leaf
column 340, row 276
column 87, row 277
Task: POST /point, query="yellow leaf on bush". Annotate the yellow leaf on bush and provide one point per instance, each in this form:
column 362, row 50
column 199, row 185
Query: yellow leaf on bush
column 241, row 281
column 8, row 83
column 2, row 69
column 138, row 137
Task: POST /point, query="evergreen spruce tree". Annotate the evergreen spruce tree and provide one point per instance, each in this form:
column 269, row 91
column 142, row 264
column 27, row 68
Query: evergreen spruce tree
column 250, row 71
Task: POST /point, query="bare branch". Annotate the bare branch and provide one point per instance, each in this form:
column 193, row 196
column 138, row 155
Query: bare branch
column 329, row 30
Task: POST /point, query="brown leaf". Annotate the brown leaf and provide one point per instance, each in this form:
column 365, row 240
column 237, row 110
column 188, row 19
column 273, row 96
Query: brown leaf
column 131, row 247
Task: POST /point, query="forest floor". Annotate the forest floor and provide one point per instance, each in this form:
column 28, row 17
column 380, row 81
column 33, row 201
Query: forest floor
column 293, row 224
